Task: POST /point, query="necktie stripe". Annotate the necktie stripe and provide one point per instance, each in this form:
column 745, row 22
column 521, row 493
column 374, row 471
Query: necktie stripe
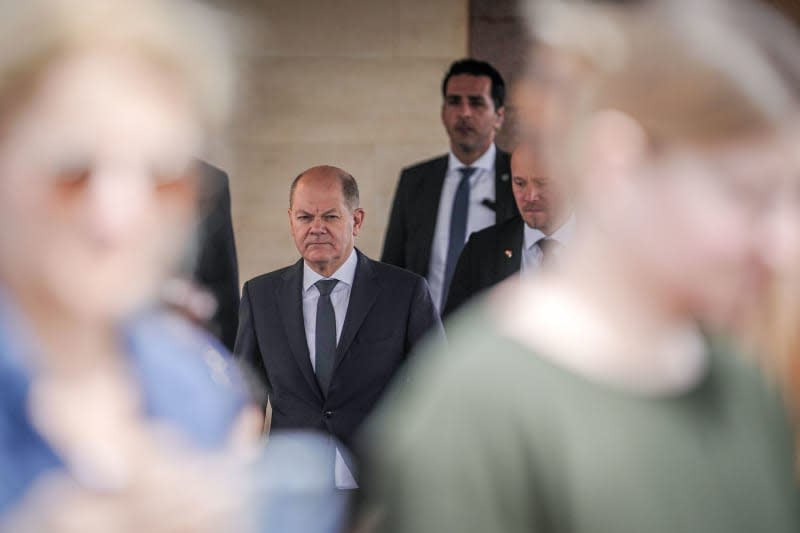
column 458, row 228
column 549, row 248
column 325, row 338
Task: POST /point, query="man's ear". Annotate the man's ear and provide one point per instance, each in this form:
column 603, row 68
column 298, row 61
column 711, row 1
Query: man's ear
column 291, row 227
column 358, row 220
column 500, row 117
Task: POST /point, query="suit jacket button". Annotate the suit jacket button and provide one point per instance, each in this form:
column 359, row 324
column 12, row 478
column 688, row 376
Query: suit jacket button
column 328, row 414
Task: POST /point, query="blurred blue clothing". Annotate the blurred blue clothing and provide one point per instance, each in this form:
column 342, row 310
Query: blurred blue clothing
column 184, row 379
column 293, row 486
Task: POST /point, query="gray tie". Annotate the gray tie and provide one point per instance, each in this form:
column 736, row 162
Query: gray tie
column 325, row 342
column 458, row 228
column 549, row 248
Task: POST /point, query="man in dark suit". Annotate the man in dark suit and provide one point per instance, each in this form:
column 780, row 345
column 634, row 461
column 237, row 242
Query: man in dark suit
column 216, row 267
column 439, row 202
column 527, row 242
column 327, row 334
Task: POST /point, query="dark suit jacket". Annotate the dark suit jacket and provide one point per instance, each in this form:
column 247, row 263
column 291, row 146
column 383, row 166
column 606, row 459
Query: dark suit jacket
column 409, row 236
column 490, row 256
column 389, row 311
column 216, row 267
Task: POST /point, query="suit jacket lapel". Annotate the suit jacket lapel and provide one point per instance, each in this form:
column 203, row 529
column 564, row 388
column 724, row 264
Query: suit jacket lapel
column 362, row 297
column 504, row 197
column 428, row 210
column 510, row 241
column 290, row 304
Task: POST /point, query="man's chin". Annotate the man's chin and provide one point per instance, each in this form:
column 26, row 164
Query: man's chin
column 316, row 255
column 536, row 223
column 467, row 143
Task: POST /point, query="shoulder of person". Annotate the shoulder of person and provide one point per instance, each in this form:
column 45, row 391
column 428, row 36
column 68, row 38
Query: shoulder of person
column 424, row 166
column 270, row 278
column 491, row 233
column 393, row 273
column 502, row 166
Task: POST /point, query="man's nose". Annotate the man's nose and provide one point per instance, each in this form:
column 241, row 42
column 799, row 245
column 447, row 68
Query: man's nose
column 317, row 226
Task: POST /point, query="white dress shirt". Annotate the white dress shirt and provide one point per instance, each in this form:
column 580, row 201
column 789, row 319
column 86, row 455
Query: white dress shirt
column 479, row 216
column 532, row 255
column 340, row 298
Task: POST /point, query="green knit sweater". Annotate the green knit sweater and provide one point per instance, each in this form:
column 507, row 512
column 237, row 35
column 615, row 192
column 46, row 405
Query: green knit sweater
column 485, row 436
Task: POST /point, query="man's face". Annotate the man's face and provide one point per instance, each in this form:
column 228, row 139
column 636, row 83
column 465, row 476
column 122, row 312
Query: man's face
column 542, row 202
column 323, row 227
column 469, row 115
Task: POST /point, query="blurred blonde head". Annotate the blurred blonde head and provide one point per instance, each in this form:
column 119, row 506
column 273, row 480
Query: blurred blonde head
column 103, row 105
column 678, row 135
column 182, row 37
column 687, row 71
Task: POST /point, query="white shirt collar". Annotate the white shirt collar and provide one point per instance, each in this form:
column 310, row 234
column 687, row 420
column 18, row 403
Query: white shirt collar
column 484, row 162
column 563, row 234
column 345, row 274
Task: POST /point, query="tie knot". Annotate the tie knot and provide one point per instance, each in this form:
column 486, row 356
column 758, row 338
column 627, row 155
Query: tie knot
column 548, row 246
column 467, row 172
column 325, row 286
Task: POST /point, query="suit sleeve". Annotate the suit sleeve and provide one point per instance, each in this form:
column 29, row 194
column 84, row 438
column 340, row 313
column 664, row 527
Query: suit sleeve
column 248, row 353
column 394, row 244
column 462, row 286
column 423, row 318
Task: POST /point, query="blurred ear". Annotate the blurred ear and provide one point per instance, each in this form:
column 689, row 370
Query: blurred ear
column 614, row 143
column 612, row 147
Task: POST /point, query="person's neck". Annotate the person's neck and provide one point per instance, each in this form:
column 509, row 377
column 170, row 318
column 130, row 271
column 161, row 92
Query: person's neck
column 328, row 269
column 468, row 156
column 633, row 333
column 599, row 270
column 557, row 224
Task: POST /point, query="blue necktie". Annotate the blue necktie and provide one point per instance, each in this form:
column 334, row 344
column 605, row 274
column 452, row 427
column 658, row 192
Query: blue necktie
column 325, row 342
column 458, row 228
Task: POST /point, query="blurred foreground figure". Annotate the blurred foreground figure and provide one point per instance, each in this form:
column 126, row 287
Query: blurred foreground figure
column 591, row 400
column 110, row 409
column 206, row 291
column 294, row 493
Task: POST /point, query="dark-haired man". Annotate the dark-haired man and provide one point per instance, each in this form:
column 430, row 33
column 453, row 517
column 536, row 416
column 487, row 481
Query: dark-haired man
column 327, row 334
column 439, row 202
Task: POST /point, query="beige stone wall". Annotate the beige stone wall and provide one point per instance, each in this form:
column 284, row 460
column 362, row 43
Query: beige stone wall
column 353, row 83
